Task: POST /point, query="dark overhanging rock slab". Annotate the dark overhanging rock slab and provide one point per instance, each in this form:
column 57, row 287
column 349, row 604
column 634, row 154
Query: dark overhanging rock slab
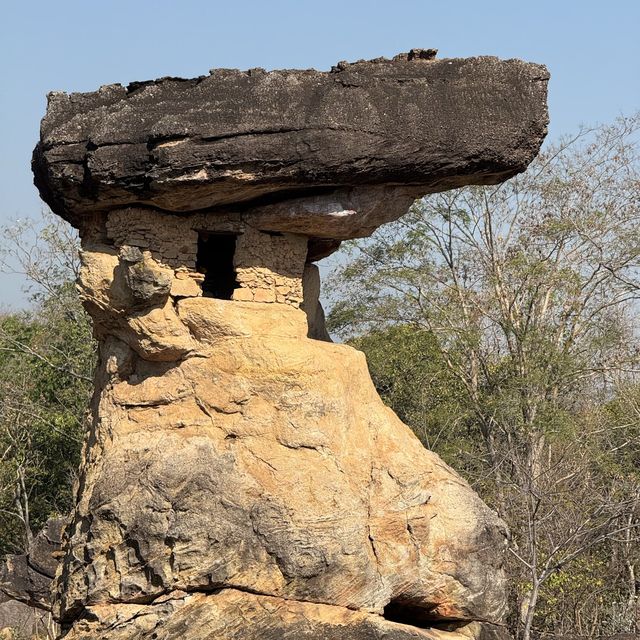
column 261, row 137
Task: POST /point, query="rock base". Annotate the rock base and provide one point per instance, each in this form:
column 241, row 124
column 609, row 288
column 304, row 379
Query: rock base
column 235, row 615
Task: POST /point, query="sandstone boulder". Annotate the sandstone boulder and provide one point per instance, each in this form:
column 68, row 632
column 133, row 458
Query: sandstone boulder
column 27, row 577
column 241, row 478
column 261, row 474
column 234, row 615
column 238, row 136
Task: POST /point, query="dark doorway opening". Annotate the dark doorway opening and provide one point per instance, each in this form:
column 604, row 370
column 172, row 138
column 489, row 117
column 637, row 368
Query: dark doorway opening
column 215, row 261
column 420, row 615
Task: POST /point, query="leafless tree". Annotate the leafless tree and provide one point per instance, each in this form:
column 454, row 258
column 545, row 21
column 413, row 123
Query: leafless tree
column 531, row 289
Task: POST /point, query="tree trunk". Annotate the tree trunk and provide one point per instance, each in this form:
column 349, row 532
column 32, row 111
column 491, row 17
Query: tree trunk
column 528, row 610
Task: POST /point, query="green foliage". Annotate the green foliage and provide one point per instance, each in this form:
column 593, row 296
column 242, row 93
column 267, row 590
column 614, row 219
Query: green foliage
column 46, row 360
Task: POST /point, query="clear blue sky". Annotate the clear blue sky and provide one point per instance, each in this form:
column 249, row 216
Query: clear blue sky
column 591, row 48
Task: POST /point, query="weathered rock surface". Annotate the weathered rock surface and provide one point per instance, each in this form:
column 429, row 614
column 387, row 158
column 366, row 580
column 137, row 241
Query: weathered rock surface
column 261, row 474
column 27, row 578
column 231, row 137
column 234, row 615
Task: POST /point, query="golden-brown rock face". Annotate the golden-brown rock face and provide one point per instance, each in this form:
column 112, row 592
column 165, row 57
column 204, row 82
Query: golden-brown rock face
column 242, row 480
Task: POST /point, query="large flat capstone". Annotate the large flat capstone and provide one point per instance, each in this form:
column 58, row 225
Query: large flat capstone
column 259, row 137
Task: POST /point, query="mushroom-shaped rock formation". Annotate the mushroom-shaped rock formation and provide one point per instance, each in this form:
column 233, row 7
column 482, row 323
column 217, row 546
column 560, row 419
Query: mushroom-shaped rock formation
column 241, row 477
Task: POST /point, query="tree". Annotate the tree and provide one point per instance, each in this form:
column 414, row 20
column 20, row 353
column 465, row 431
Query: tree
column 530, row 290
column 46, row 361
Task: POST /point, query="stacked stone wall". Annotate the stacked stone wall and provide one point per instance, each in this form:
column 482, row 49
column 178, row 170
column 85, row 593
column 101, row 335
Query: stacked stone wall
column 268, row 266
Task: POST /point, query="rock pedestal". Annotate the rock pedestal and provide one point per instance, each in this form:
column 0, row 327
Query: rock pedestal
column 241, row 478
